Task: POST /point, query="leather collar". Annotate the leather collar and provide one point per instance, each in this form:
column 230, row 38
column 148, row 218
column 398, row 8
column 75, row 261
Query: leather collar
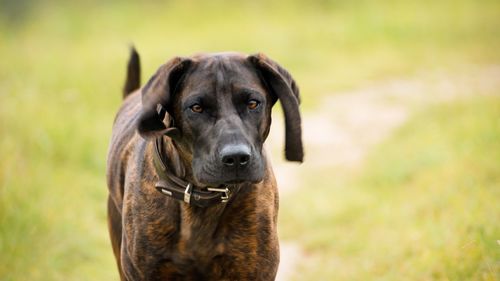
column 176, row 187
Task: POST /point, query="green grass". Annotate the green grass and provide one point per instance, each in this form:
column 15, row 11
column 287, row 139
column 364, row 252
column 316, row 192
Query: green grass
column 424, row 207
column 62, row 67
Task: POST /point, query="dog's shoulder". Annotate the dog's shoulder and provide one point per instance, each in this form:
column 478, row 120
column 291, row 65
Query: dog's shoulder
column 124, row 126
column 123, row 140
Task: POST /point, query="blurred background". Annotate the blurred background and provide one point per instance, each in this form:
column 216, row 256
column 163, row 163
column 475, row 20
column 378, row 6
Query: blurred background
column 401, row 106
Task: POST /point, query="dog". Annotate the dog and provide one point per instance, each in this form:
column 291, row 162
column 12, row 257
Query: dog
column 192, row 194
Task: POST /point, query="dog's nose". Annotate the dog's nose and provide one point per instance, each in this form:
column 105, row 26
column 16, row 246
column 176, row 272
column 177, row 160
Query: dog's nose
column 235, row 155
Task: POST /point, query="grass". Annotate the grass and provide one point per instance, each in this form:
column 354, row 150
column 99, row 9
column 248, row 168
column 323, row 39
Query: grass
column 62, row 67
column 423, row 207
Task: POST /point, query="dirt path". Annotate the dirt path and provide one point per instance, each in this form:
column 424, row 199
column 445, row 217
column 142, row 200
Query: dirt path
column 348, row 125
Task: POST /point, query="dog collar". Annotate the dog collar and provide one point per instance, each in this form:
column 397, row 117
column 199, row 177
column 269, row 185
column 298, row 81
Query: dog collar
column 177, row 188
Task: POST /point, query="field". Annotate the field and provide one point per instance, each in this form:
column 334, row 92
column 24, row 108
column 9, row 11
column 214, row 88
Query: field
column 419, row 203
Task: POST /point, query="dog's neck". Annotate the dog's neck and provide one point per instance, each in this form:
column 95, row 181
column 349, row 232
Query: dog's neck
column 201, row 220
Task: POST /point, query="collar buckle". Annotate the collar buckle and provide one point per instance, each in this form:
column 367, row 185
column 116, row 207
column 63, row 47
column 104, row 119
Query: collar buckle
column 225, row 193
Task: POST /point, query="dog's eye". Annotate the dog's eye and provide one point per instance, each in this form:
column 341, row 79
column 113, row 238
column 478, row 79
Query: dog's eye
column 253, row 104
column 196, row 108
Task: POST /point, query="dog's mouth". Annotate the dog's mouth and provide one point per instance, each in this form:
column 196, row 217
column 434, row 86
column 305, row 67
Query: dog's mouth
column 205, row 180
column 236, row 181
column 223, row 183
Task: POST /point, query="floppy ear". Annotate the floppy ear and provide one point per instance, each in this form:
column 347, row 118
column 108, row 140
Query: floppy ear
column 157, row 96
column 281, row 83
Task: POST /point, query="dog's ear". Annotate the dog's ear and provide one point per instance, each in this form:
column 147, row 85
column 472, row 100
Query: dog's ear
column 282, row 85
column 157, row 95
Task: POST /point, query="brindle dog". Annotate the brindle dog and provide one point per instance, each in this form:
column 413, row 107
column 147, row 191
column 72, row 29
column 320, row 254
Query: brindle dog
column 192, row 195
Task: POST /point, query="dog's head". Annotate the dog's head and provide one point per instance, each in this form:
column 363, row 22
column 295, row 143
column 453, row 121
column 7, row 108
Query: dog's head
column 220, row 111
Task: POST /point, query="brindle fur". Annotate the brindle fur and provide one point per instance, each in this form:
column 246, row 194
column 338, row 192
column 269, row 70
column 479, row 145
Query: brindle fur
column 155, row 237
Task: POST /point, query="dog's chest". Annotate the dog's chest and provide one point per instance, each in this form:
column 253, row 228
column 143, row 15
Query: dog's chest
column 199, row 255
